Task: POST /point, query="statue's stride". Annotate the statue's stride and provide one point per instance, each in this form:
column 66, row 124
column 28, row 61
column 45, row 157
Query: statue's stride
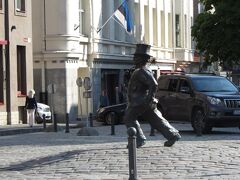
column 142, row 102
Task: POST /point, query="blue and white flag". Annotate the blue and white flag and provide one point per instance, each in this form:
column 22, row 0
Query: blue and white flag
column 124, row 17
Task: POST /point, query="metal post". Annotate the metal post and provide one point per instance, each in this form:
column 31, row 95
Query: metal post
column 91, row 119
column 87, row 113
column 112, row 123
column 152, row 133
column 55, row 122
column 44, row 121
column 67, row 123
column 132, row 153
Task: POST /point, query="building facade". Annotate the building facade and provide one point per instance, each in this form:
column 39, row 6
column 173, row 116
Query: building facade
column 16, row 67
column 67, row 47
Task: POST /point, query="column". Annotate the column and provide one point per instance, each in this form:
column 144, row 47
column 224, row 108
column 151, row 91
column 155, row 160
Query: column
column 142, row 23
column 159, row 24
column 150, row 23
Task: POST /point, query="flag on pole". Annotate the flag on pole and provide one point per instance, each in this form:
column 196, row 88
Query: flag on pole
column 123, row 16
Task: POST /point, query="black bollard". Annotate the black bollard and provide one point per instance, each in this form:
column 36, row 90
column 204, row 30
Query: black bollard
column 152, row 133
column 112, row 123
column 132, row 153
column 91, row 119
column 67, row 123
column 55, row 123
column 44, row 121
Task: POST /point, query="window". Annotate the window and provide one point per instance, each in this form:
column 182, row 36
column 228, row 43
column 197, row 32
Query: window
column 21, row 70
column 178, row 35
column 163, row 83
column 20, row 5
column 1, row 5
column 173, row 85
column 184, row 86
column 81, row 16
column 1, row 75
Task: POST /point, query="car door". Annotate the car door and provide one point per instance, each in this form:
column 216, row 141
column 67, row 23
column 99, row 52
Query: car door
column 183, row 100
column 171, row 98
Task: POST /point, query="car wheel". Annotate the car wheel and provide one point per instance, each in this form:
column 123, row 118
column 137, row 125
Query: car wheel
column 38, row 119
column 199, row 122
column 108, row 118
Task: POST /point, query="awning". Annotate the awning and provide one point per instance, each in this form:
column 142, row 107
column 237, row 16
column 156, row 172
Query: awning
column 3, row 42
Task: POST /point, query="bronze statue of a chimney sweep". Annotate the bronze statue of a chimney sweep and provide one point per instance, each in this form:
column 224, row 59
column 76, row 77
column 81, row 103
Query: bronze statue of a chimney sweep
column 142, row 102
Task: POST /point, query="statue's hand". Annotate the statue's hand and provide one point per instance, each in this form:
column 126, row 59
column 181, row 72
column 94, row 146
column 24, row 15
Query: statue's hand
column 153, row 103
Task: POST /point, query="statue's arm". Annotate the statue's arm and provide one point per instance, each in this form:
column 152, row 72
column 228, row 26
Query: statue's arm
column 148, row 79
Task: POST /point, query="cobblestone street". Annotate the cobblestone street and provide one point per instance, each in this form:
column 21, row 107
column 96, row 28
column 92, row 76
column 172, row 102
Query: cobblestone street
column 49, row 155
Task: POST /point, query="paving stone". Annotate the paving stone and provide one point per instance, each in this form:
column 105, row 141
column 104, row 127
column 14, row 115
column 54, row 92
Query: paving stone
column 50, row 155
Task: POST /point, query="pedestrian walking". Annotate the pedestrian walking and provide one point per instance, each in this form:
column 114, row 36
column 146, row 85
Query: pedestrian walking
column 31, row 106
column 142, row 102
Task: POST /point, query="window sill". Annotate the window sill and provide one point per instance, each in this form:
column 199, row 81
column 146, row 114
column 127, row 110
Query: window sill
column 20, row 13
column 19, row 94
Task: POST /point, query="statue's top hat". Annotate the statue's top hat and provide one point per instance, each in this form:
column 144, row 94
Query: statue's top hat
column 142, row 50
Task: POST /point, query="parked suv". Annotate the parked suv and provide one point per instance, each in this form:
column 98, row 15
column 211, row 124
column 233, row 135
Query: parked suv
column 206, row 101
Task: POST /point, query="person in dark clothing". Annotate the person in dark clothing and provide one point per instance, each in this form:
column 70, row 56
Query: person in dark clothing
column 31, row 106
column 119, row 95
column 103, row 99
column 142, row 102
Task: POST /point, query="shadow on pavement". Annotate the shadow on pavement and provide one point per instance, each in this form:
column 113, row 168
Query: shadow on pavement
column 48, row 160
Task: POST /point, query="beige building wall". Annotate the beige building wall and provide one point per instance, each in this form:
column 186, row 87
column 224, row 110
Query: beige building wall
column 20, row 34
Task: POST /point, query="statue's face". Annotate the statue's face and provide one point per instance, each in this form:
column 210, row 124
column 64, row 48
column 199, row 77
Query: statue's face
column 140, row 60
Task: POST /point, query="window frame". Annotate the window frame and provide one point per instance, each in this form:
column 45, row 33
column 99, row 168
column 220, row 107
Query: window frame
column 21, row 11
column 81, row 13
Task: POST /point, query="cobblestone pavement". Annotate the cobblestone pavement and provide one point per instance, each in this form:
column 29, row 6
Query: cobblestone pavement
column 49, row 155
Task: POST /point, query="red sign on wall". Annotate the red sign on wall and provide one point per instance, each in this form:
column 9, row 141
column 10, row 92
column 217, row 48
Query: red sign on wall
column 3, row 42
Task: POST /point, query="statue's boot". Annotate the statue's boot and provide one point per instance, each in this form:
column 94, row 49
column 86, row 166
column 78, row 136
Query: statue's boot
column 171, row 141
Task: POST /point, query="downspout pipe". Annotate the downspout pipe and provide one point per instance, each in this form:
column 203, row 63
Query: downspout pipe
column 7, row 59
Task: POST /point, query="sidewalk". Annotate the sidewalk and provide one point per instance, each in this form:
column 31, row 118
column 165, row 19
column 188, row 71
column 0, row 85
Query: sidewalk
column 24, row 128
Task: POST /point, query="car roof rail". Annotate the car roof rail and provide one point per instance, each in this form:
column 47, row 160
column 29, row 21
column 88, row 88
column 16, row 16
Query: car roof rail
column 204, row 73
column 172, row 72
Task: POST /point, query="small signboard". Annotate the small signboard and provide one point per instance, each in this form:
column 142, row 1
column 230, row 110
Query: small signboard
column 87, row 94
column 51, row 88
column 87, row 83
column 79, row 82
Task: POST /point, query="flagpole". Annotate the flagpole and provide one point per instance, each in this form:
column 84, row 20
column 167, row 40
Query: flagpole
column 99, row 29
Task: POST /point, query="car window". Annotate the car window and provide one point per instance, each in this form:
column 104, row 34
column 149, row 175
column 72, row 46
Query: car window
column 184, row 86
column 163, row 83
column 213, row 85
column 173, row 85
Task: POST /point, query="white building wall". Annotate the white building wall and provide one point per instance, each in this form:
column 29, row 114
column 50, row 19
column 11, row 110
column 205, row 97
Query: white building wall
column 111, row 48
